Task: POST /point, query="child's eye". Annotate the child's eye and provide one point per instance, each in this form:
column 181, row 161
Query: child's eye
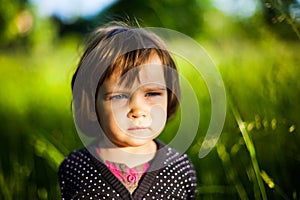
column 153, row 94
column 118, row 97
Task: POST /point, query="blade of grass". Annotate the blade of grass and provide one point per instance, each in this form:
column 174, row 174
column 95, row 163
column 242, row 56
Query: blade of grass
column 268, row 180
column 290, row 21
column 250, row 147
column 45, row 149
column 230, row 172
column 4, row 188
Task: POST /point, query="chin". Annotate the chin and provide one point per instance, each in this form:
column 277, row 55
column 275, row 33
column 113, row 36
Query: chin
column 138, row 142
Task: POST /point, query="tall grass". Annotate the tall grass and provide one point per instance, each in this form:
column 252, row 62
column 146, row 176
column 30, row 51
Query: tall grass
column 257, row 156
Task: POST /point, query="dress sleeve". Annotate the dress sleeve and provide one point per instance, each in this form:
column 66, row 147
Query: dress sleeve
column 192, row 186
column 188, row 179
column 64, row 180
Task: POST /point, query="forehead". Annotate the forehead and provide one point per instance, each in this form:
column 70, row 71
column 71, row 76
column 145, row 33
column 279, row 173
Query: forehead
column 151, row 72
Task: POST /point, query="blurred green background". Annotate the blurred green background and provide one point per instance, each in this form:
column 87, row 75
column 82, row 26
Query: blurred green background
column 255, row 45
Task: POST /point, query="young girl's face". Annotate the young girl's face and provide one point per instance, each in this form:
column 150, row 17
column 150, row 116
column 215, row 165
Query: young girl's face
column 133, row 116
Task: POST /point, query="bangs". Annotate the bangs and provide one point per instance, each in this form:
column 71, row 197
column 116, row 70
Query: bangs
column 127, row 66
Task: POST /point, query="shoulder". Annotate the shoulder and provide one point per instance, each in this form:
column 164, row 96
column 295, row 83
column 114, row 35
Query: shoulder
column 175, row 161
column 172, row 156
column 76, row 156
column 77, row 173
column 75, row 160
column 178, row 172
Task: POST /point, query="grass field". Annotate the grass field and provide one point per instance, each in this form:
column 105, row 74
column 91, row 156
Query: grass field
column 256, row 157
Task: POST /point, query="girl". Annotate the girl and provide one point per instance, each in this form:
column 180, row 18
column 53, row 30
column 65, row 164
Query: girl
column 124, row 90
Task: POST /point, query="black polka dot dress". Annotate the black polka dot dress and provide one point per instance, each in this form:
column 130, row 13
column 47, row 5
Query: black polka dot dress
column 170, row 176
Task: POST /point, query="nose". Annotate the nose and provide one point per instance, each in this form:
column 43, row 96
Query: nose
column 137, row 107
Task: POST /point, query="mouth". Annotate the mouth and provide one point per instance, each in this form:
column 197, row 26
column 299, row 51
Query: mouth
column 138, row 128
column 142, row 132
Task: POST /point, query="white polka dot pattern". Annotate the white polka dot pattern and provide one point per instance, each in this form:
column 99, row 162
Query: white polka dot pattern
column 84, row 177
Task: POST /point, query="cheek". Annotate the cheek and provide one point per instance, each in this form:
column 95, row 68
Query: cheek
column 106, row 115
column 158, row 111
column 111, row 123
column 159, row 117
column 118, row 115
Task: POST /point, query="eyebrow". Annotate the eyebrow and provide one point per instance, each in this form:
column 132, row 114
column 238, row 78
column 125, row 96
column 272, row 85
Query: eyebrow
column 146, row 88
column 156, row 87
column 116, row 92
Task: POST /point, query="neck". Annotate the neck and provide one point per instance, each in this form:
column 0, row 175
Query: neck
column 131, row 156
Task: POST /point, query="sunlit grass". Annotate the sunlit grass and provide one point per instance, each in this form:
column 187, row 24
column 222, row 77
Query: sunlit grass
column 260, row 75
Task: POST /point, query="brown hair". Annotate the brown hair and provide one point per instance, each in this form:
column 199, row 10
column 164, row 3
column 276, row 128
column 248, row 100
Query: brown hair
column 121, row 48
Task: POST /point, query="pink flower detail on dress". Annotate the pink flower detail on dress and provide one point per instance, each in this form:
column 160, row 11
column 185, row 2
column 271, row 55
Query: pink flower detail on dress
column 115, row 170
column 132, row 175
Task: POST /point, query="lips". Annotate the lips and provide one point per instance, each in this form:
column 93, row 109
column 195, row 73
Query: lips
column 141, row 132
column 138, row 128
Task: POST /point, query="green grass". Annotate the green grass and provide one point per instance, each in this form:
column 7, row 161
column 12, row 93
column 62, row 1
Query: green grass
column 257, row 155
